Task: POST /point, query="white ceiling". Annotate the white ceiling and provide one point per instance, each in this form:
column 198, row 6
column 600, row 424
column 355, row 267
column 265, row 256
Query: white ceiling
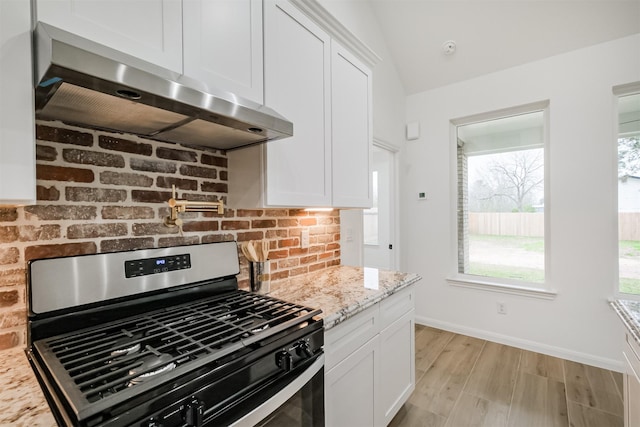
column 493, row 35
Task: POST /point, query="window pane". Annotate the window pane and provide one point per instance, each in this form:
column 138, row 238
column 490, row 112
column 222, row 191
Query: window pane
column 629, row 193
column 501, row 198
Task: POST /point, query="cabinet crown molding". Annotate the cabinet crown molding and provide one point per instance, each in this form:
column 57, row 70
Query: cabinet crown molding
column 338, row 31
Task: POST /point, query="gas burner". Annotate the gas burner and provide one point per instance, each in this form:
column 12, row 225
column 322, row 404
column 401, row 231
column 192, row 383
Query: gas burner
column 260, row 329
column 162, row 362
column 124, row 345
column 125, row 351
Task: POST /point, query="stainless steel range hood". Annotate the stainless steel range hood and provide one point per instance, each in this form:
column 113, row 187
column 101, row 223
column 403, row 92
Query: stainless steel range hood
column 84, row 83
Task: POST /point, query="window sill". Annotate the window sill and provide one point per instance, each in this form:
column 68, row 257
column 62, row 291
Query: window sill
column 472, row 283
column 624, row 296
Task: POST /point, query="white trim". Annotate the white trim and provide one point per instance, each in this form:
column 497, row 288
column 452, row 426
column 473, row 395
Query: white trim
column 337, row 31
column 378, row 142
column 502, row 113
column 394, row 199
column 550, row 350
column 504, row 288
column 626, row 89
column 495, row 284
column 617, row 93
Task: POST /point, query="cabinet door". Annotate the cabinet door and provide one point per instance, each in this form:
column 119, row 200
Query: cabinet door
column 631, row 384
column 632, row 410
column 297, row 67
column 223, row 45
column 397, row 367
column 17, row 139
column 350, row 388
column 351, row 129
column 147, row 29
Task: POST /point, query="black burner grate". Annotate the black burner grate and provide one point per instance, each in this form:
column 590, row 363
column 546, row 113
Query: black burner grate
column 122, row 358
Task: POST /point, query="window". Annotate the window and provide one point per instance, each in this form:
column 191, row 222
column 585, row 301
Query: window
column 500, row 198
column 629, row 194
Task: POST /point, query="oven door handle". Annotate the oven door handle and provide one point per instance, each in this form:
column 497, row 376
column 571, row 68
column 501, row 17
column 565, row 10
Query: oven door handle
column 266, row 408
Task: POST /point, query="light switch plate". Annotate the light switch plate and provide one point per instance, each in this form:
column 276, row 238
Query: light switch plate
column 304, row 239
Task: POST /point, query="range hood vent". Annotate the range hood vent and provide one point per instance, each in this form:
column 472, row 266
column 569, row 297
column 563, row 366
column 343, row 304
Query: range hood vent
column 83, row 83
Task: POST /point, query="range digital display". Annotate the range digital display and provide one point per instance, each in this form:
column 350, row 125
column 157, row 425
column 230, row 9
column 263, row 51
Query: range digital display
column 146, row 266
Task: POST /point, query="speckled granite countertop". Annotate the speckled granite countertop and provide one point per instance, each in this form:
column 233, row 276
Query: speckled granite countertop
column 341, row 292
column 21, row 400
column 629, row 312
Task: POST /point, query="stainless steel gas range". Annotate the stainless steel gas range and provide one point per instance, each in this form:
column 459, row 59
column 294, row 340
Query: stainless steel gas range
column 164, row 337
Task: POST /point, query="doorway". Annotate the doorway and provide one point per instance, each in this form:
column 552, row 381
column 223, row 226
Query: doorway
column 378, row 222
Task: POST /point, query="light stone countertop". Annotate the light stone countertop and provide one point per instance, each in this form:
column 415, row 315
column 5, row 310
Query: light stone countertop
column 341, row 292
column 629, row 313
column 22, row 402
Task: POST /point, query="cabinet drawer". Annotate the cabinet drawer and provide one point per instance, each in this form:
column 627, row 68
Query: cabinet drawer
column 343, row 339
column 392, row 308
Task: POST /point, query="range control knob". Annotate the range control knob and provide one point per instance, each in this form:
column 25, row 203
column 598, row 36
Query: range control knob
column 284, row 360
column 303, row 349
column 194, row 413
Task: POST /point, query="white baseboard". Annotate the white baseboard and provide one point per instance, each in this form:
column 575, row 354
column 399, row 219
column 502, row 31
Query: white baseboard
column 563, row 353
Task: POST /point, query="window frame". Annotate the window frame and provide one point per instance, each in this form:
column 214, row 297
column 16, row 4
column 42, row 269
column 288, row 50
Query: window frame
column 495, row 284
column 617, row 93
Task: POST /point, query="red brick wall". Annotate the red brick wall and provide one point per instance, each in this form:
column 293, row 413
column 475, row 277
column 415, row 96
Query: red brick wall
column 103, row 192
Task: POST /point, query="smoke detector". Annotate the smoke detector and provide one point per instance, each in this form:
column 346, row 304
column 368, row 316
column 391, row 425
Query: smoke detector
column 449, row 47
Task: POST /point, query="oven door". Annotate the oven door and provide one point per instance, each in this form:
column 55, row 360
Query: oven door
column 299, row 403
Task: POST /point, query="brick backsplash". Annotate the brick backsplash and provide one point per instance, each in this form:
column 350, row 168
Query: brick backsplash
column 104, row 192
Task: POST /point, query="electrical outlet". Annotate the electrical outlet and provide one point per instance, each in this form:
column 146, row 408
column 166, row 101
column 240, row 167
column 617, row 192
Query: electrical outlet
column 304, row 239
column 349, row 234
column 502, row 308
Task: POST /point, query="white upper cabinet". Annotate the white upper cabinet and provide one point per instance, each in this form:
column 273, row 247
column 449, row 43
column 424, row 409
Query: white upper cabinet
column 147, row 29
column 326, row 92
column 17, row 129
column 223, row 45
column 351, row 136
column 297, row 67
column 295, row 171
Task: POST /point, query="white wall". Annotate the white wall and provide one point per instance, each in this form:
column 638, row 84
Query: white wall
column 388, row 103
column 578, row 324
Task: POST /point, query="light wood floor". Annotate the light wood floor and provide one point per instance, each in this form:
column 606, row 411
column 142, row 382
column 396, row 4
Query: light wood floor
column 463, row 381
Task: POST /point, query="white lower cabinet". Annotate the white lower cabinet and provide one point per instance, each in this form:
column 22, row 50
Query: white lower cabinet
column 632, row 383
column 398, row 373
column 370, row 363
column 350, row 388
